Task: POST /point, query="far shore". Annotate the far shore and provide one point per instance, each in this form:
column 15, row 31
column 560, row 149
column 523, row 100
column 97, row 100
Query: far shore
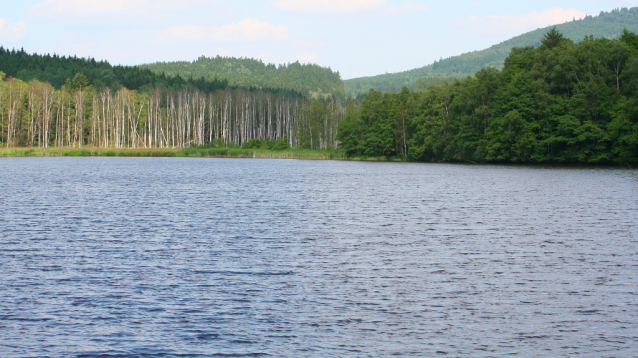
column 290, row 153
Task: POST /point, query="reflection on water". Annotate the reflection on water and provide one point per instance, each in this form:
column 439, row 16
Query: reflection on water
column 183, row 257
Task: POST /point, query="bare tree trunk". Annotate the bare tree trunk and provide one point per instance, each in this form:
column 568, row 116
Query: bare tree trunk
column 15, row 94
column 80, row 108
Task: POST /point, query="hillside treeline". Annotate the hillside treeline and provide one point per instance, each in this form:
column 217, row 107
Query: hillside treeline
column 58, row 70
column 53, row 101
column 559, row 103
column 309, row 79
column 607, row 25
column 395, row 82
column 35, row 114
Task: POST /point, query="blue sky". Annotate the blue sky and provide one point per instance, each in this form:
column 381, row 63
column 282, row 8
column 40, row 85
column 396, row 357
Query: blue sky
column 355, row 37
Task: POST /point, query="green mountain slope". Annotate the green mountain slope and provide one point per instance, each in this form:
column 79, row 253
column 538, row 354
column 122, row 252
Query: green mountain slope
column 606, row 25
column 309, row 79
column 60, row 70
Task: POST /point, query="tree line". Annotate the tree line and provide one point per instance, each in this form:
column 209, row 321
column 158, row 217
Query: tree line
column 57, row 70
column 309, row 79
column 559, row 103
column 35, row 114
column 51, row 100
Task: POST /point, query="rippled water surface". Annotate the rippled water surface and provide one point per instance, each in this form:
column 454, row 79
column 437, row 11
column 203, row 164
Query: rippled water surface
column 135, row 257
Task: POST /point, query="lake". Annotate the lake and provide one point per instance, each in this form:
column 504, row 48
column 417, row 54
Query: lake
column 179, row 257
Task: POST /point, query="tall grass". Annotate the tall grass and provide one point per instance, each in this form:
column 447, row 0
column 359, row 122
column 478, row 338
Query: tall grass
column 291, row 153
column 86, row 152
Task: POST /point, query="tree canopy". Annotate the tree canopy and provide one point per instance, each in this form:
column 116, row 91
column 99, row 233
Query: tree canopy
column 57, row 70
column 311, row 80
column 560, row 103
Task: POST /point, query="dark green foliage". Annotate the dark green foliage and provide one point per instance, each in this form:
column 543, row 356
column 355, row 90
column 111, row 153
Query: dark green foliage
column 629, row 38
column 558, row 103
column 77, row 83
column 73, row 71
column 309, row 79
column 279, row 144
column 607, row 25
column 552, row 38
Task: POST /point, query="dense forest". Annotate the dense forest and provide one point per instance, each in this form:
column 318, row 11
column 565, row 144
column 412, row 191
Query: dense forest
column 561, row 102
column 607, row 25
column 58, row 70
column 48, row 100
column 312, row 80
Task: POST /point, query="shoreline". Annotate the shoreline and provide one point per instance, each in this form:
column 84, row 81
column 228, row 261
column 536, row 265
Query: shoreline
column 295, row 153
column 240, row 153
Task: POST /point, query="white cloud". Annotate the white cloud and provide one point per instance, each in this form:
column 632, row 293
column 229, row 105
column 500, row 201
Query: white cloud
column 85, row 8
column 329, row 6
column 137, row 8
column 407, row 7
column 12, row 32
column 247, row 30
column 517, row 24
column 307, row 57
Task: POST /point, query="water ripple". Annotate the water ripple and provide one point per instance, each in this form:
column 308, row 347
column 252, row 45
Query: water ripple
column 166, row 257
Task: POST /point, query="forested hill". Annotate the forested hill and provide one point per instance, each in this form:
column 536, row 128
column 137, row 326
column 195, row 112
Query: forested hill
column 309, row 79
column 608, row 25
column 59, row 70
column 53, row 101
column 558, row 103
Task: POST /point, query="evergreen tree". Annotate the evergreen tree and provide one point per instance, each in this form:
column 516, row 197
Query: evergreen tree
column 552, row 38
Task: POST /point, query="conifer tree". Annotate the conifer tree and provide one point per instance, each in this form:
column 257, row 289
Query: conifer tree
column 552, row 38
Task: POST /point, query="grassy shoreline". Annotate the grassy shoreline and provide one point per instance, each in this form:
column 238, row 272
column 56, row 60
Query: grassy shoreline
column 292, row 153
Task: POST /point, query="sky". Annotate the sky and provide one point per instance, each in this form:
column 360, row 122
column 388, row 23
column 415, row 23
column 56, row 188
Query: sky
column 355, row 37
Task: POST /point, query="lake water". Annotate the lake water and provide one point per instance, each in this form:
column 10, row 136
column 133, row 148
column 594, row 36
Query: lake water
column 145, row 257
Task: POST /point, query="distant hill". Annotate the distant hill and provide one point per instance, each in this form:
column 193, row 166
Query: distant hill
column 607, row 24
column 60, row 70
column 308, row 79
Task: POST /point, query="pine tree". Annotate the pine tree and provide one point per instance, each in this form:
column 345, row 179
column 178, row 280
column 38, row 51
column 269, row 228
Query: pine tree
column 552, row 38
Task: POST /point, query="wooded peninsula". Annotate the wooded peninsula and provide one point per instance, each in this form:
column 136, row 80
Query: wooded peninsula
column 560, row 102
